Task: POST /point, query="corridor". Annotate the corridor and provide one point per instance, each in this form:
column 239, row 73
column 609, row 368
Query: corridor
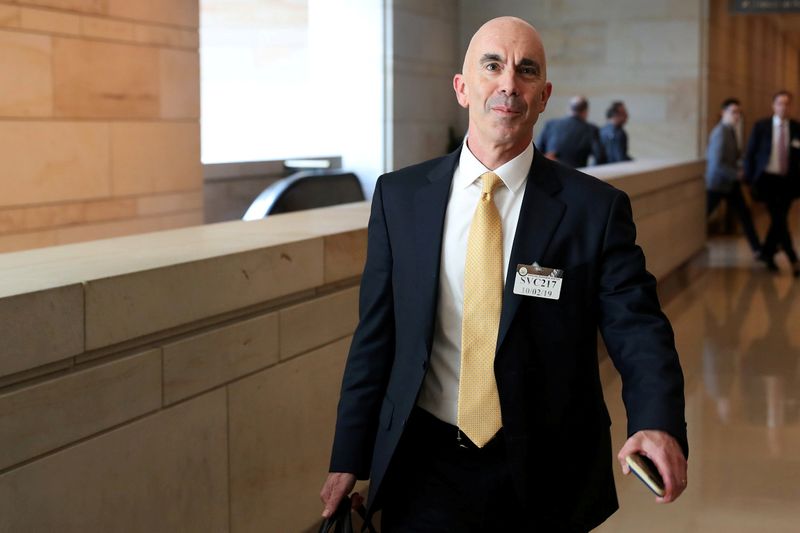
column 737, row 333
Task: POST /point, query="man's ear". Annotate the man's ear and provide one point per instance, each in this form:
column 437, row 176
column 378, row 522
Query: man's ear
column 460, row 87
column 546, row 92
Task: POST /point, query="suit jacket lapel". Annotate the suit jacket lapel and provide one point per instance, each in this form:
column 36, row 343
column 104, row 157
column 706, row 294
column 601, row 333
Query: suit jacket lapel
column 430, row 204
column 539, row 217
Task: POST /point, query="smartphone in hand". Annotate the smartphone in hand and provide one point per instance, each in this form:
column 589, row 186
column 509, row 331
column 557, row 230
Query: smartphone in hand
column 647, row 472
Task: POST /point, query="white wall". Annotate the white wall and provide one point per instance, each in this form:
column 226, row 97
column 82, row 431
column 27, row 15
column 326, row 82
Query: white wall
column 296, row 78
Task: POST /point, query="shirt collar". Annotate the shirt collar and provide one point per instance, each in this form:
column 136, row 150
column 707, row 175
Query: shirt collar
column 777, row 121
column 513, row 173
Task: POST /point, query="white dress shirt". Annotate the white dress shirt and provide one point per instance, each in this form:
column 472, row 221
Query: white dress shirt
column 439, row 394
column 774, row 166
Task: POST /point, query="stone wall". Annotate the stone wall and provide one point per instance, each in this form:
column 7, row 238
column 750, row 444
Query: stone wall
column 648, row 54
column 99, row 119
column 190, row 388
column 422, row 60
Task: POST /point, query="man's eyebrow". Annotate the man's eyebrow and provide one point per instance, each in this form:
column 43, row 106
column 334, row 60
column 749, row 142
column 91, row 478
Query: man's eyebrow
column 491, row 57
column 526, row 62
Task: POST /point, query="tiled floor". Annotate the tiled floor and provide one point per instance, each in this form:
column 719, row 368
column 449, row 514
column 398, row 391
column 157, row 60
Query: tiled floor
column 738, row 333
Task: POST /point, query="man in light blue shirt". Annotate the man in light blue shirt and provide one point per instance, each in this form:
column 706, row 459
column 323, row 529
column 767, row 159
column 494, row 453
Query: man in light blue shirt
column 723, row 174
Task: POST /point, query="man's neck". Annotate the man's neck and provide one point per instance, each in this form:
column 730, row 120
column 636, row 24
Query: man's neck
column 493, row 155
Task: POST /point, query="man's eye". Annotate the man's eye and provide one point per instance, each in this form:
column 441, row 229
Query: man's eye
column 528, row 71
column 492, row 66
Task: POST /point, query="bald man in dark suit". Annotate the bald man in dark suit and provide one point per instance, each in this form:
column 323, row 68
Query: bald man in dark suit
column 471, row 397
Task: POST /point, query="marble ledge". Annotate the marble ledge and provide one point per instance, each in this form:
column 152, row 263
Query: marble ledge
column 646, row 176
column 46, row 268
column 340, row 227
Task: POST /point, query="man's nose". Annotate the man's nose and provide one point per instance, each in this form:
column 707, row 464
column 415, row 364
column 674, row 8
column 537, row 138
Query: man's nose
column 508, row 83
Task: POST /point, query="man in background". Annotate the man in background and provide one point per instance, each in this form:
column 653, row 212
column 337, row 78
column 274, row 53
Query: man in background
column 723, row 175
column 613, row 135
column 572, row 139
column 772, row 166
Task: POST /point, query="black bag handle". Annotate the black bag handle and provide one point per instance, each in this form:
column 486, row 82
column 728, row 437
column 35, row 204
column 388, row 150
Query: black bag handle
column 341, row 520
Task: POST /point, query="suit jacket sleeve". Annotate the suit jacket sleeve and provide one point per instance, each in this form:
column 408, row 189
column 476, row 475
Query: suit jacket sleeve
column 541, row 142
column 720, row 172
column 598, row 151
column 750, row 155
column 637, row 334
column 371, row 353
column 623, row 143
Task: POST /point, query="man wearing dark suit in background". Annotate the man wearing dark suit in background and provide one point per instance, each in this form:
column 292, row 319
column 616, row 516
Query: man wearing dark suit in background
column 723, row 175
column 772, row 167
column 470, row 400
column 613, row 135
column 572, row 139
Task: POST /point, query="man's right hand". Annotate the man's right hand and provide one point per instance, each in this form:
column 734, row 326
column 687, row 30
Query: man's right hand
column 337, row 486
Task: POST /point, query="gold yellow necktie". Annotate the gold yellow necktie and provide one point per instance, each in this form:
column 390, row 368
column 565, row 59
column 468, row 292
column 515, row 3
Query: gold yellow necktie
column 478, row 401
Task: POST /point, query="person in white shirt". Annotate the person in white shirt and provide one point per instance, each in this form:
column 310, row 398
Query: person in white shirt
column 471, row 397
column 772, row 167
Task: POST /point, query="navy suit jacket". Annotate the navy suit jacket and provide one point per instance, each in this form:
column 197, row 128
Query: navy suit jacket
column 615, row 143
column 572, row 140
column 546, row 364
column 759, row 148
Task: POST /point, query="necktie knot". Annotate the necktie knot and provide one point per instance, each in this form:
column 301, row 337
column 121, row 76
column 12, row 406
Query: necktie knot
column 489, row 182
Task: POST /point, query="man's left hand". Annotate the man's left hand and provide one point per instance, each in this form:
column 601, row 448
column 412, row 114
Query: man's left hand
column 666, row 453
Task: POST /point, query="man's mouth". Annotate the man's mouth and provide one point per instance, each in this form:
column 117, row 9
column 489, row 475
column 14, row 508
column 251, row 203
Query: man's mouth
column 505, row 110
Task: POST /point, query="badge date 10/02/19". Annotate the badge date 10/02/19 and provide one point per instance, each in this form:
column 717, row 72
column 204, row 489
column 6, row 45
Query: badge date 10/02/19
column 538, row 282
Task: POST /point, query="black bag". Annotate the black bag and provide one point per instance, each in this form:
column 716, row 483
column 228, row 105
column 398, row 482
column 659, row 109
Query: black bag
column 341, row 521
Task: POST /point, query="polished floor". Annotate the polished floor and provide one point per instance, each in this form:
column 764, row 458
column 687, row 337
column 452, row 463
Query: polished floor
column 738, row 333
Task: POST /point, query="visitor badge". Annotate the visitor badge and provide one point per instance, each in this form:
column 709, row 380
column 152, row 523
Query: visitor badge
column 538, row 282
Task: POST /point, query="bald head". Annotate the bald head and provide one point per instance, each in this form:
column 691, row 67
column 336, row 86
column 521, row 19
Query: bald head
column 504, row 86
column 579, row 106
column 510, row 29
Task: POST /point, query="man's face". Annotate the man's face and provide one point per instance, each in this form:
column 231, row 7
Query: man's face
column 782, row 105
column 504, row 84
column 622, row 115
column 732, row 115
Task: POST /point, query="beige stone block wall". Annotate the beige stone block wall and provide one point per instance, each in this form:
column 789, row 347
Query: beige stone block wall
column 204, row 395
column 78, row 405
column 422, row 60
column 99, row 115
column 41, row 327
column 163, row 473
column 125, row 307
column 648, row 54
column 312, row 324
column 286, row 413
column 210, row 359
column 26, row 86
